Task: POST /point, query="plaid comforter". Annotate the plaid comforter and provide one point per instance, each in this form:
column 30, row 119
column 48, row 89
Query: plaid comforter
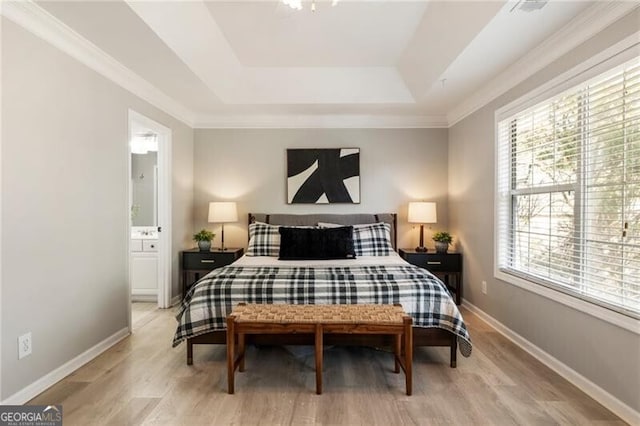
column 423, row 296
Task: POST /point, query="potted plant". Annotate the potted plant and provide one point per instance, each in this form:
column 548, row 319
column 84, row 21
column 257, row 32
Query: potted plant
column 203, row 238
column 442, row 239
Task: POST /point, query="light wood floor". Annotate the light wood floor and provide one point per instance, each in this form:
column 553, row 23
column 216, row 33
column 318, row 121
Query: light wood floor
column 141, row 314
column 142, row 380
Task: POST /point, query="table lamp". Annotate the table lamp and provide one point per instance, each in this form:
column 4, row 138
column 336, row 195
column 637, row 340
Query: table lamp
column 223, row 212
column 422, row 212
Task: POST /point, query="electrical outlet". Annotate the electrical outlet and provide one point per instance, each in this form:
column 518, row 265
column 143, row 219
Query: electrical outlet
column 24, row 345
column 484, row 287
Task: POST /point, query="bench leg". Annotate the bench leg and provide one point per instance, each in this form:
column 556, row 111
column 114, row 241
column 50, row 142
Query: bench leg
column 230, row 355
column 319, row 349
column 408, row 354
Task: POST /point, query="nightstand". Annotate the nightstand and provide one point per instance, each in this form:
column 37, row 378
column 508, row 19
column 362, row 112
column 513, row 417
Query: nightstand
column 446, row 266
column 196, row 264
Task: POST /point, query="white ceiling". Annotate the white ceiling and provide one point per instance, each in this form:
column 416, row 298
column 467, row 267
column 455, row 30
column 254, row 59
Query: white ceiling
column 247, row 60
column 271, row 34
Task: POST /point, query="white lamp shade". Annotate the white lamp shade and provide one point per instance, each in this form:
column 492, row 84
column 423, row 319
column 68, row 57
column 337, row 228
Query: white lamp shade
column 223, row 211
column 422, row 212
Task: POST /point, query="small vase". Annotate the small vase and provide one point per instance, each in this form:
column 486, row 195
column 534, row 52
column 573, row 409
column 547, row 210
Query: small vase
column 441, row 247
column 204, row 245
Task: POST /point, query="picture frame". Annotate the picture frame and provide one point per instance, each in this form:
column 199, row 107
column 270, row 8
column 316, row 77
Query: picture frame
column 323, row 176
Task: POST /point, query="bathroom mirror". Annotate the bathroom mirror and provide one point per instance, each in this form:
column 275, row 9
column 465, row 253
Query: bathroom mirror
column 144, row 180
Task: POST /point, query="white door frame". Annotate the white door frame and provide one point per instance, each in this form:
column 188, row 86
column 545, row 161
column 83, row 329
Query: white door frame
column 1, row 221
column 164, row 206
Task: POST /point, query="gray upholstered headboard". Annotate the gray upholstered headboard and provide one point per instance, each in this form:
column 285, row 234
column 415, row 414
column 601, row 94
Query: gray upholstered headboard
column 341, row 219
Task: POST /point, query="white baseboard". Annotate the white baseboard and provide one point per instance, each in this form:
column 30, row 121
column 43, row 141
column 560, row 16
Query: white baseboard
column 619, row 408
column 143, row 298
column 45, row 382
column 144, row 292
column 144, row 295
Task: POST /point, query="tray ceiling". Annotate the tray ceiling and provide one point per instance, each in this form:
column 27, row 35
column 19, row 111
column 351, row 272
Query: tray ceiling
column 361, row 58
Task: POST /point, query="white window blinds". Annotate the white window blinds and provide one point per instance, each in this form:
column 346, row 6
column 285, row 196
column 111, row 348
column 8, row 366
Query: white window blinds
column 569, row 191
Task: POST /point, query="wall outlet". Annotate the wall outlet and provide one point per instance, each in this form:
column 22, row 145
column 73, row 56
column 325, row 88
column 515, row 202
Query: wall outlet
column 24, row 345
column 484, row 287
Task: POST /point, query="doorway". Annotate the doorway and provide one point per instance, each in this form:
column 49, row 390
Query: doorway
column 149, row 212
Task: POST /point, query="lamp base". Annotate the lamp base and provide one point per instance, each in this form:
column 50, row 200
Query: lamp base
column 421, row 248
column 222, row 247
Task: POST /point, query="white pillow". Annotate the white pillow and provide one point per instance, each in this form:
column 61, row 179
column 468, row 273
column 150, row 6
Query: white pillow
column 335, row 225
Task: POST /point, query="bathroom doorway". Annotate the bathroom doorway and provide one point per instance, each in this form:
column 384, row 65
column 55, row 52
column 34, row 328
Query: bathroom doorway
column 149, row 214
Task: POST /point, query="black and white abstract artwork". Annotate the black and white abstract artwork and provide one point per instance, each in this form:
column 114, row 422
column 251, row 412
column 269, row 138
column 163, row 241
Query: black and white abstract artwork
column 323, row 176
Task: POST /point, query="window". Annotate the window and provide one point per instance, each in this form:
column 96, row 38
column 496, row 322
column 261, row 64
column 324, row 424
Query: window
column 568, row 196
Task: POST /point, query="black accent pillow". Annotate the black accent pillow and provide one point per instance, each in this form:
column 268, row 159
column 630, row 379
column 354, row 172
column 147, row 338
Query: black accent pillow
column 316, row 243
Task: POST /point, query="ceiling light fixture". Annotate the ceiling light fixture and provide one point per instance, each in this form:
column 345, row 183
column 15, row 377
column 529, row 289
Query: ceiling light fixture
column 529, row 5
column 293, row 4
column 144, row 142
column 297, row 4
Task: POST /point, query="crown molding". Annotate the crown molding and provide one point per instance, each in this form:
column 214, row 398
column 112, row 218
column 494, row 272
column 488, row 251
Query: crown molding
column 41, row 23
column 38, row 21
column 577, row 31
column 338, row 121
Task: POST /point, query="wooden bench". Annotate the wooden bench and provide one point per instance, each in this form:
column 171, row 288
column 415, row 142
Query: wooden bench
column 319, row 320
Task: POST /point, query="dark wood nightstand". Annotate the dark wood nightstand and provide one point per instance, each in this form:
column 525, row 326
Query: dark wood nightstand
column 195, row 263
column 447, row 266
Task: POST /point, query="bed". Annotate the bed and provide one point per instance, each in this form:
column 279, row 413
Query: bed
column 376, row 275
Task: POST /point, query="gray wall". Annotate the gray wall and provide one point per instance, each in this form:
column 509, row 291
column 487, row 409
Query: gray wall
column 65, row 204
column 605, row 354
column 396, row 166
column 181, row 193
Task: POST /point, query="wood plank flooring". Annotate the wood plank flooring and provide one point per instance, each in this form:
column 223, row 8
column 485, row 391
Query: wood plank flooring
column 141, row 313
column 143, row 381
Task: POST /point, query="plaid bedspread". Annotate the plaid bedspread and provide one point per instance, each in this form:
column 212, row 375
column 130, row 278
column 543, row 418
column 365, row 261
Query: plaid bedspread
column 423, row 296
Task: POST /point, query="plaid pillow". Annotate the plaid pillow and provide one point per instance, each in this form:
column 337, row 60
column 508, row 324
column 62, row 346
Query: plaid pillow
column 264, row 240
column 373, row 240
column 369, row 240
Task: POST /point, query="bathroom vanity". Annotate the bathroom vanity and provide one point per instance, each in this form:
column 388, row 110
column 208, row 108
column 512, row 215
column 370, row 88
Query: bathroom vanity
column 144, row 263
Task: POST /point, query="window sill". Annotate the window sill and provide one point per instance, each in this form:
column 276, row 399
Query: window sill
column 604, row 314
